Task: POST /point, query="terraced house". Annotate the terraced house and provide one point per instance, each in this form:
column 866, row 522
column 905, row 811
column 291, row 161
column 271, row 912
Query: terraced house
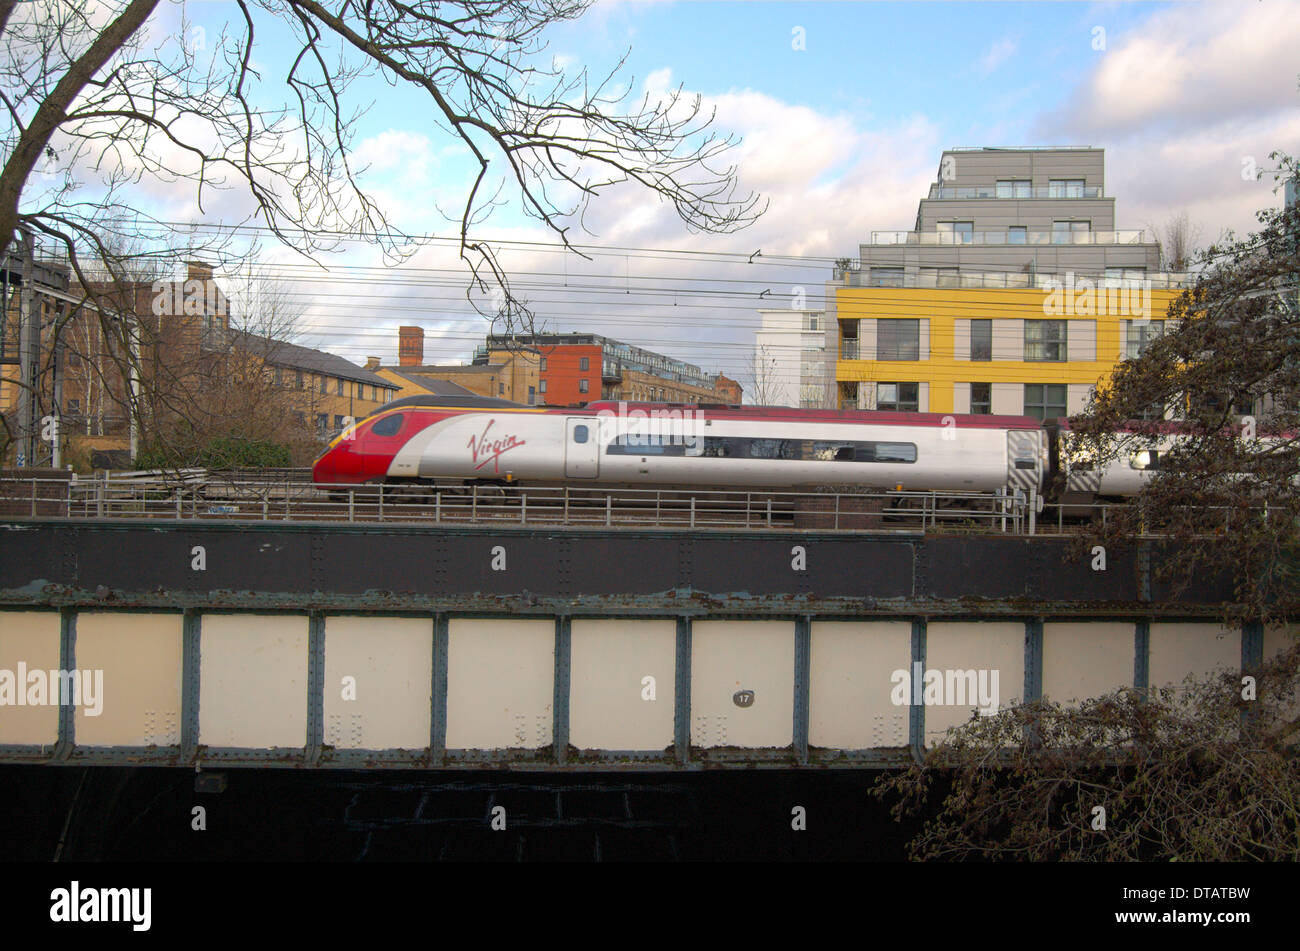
column 1014, row 293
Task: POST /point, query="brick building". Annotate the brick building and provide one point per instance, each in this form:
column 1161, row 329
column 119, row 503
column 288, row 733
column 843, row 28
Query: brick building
column 576, row 368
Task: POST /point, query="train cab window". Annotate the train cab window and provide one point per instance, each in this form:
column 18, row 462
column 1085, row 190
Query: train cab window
column 1147, row 459
column 580, row 434
column 388, row 426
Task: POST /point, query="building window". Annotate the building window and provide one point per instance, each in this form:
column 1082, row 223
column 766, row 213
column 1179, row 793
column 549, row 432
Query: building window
column 1045, row 341
column 338, row 387
column 1014, row 188
column 981, row 339
column 323, row 384
column 298, row 378
column 338, row 423
column 959, row 232
column 902, row 397
column 981, row 398
column 322, row 423
column 1065, row 188
column 584, row 363
column 885, row 277
column 501, row 389
column 1045, row 400
column 1141, row 333
column 1131, row 277
column 898, row 339
column 939, row 277
column 541, row 386
column 1070, row 232
column 74, row 407
column 542, row 368
column 812, row 324
column 1017, row 234
column 532, row 395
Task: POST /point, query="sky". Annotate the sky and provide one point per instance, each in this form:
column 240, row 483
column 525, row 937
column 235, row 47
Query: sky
column 842, row 109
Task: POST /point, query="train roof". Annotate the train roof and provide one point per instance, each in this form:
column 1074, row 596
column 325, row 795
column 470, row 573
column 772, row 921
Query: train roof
column 790, row 414
column 722, row 411
column 433, row 400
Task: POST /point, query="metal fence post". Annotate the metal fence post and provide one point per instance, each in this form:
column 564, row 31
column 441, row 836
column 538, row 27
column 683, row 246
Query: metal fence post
column 1033, row 512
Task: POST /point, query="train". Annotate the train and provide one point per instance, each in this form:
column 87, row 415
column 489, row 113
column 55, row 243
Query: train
column 416, row 440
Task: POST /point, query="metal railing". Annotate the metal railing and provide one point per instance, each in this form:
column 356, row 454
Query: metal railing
column 452, row 503
column 550, row 506
column 993, row 191
column 1006, row 237
column 1155, row 280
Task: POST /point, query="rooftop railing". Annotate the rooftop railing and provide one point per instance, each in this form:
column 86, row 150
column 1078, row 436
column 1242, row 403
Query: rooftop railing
column 1000, row 279
column 1006, row 237
column 1021, row 191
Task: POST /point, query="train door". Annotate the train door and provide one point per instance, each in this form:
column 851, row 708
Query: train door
column 1024, row 471
column 581, row 448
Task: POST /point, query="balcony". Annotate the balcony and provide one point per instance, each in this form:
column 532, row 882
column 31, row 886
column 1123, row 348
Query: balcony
column 1014, row 279
column 849, row 349
column 993, row 191
column 1016, row 239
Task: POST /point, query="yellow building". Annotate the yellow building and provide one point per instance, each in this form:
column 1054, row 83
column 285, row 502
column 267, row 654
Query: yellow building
column 1030, row 351
column 1014, row 294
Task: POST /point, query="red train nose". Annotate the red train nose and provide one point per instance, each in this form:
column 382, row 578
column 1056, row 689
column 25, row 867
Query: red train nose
column 338, row 463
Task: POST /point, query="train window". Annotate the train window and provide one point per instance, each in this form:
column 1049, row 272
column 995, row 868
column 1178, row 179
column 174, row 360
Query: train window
column 388, row 426
column 579, row 433
column 796, row 450
column 895, row 452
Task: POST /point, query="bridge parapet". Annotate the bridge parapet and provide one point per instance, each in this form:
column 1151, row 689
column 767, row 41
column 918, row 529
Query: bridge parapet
column 206, row 643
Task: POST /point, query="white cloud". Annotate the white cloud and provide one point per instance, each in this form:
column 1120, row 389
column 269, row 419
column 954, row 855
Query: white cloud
column 998, row 53
column 1190, row 66
column 1180, row 102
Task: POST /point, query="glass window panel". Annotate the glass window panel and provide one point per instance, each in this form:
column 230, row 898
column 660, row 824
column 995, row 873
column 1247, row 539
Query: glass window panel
column 898, row 339
column 1045, row 400
column 981, row 339
column 1045, row 341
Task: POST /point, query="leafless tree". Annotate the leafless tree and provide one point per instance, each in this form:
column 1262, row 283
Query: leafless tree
column 95, row 106
column 1179, row 241
column 761, row 377
column 1204, row 771
column 1225, row 490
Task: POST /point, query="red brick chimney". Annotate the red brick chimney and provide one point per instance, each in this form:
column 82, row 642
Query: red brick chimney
column 410, row 346
column 372, row 363
column 198, row 271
